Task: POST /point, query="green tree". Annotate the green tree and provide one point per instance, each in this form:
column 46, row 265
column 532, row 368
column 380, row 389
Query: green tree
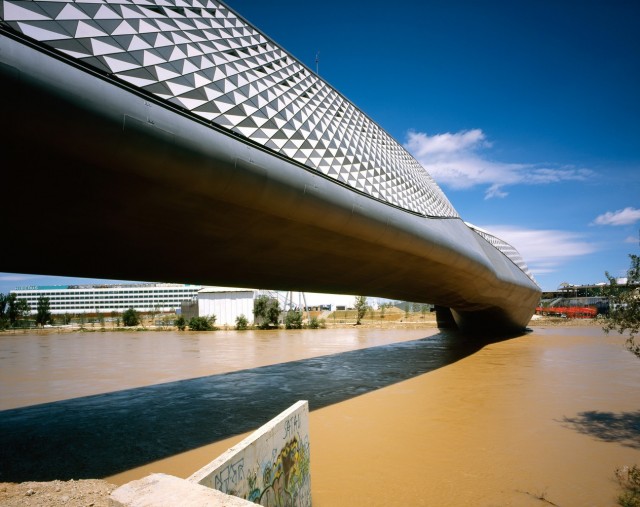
column 43, row 311
column 361, row 307
column 12, row 310
column 181, row 323
column 241, row 322
column 266, row 311
column 293, row 319
column 130, row 318
column 202, row 323
column 624, row 305
column 4, row 309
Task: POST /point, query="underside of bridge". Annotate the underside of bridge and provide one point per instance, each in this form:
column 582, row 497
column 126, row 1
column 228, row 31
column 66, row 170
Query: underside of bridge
column 102, row 179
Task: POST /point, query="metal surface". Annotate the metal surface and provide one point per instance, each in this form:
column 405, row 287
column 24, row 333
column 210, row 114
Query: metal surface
column 107, row 181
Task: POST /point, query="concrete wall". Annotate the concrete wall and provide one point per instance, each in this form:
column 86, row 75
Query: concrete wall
column 226, row 306
column 270, row 467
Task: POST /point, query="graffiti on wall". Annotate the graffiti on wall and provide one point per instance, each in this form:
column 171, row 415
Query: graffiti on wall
column 284, row 480
column 229, row 476
column 269, row 468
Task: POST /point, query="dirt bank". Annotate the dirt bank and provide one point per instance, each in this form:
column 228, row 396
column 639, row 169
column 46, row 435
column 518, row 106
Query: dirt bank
column 83, row 493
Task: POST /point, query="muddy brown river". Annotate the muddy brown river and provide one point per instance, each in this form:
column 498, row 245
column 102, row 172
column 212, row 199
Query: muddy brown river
column 399, row 417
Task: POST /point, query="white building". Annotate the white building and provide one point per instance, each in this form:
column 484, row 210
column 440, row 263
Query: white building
column 226, row 303
column 147, row 297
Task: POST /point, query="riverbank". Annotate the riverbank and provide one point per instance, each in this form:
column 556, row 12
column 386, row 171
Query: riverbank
column 397, row 321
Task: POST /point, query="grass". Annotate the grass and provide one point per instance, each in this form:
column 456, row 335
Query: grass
column 629, row 480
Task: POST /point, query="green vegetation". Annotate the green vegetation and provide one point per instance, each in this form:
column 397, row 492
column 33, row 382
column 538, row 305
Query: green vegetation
column 361, row 308
column 181, row 323
column 242, row 323
column 629, row 480
column 12, row 310
column 266, row 312
column 43, row 312
column 314, row 323
column 624, row 305
column 129, row 318
column 293, row 319
column 202, row 323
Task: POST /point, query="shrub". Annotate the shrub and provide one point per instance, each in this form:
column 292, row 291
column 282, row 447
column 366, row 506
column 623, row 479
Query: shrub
column 181, row 323
column 130, row 317
column 241, row 322
column 202, row 323
column 629, row 479
column 314, row 323
column 293, row 320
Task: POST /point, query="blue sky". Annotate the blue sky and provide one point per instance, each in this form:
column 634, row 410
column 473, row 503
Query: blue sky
column 526, row 113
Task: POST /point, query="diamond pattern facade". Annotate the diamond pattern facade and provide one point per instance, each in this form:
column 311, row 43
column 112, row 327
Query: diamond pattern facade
column 505, row 248
column 203, row 57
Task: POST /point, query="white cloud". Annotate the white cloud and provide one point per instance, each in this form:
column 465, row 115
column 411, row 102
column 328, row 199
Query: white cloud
column 625, row 216
column 459, row 161
column 422, row 144
column 632, row 239
column 544, row 250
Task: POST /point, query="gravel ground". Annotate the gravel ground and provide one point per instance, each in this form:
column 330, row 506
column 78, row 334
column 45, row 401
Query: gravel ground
column 83, row 493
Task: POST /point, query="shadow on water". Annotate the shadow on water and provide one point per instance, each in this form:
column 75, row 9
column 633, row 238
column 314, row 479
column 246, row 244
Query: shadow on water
column 622, row 428
column 101, row 435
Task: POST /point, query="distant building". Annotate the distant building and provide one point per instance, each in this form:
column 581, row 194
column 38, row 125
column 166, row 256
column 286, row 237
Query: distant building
column 147, row 297
column 226, row 303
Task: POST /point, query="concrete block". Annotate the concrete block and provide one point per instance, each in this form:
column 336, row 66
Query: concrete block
column 161, row 490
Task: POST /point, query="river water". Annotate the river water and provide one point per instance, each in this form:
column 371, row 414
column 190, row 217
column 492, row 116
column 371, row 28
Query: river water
column 399, row 417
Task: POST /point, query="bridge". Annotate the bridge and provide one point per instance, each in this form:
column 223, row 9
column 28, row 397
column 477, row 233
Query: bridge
column 172, row 140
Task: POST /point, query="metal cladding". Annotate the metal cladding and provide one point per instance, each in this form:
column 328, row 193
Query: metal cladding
column 238, row 91
column 206, row 59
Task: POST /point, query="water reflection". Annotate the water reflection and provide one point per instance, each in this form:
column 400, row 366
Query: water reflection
column 100, row 435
